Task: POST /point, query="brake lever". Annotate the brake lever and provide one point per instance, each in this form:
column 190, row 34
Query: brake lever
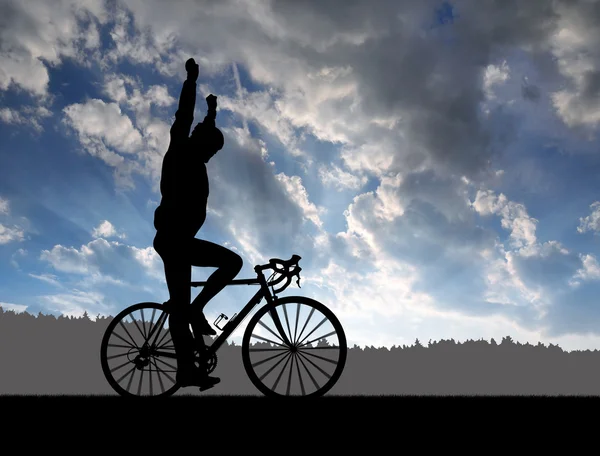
column 297, row 273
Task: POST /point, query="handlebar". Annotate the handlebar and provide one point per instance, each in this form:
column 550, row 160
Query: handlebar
column 284, row 271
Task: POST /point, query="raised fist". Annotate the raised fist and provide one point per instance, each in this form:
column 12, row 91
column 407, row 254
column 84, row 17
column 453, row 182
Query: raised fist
column 192, row 69
column 211, row 101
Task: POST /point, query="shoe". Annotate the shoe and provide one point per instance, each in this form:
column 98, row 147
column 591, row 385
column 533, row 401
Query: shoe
column 195, row 377
column 199, row 321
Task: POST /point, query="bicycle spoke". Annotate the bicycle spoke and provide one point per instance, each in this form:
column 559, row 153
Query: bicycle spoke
column 315, row 328
column 131, row 379
column 297, row 318
column 158, row 322
column 267, row 349
column 270, row 330
column 277, row 364
column 140, row 382
column 120, row 346
column 126, row 373
column 332, row 347
column 124, row 340
column 322, row 337
column 132, row 340
column 150, row 323
column 163, row 337
column 143, row 323
column 299, row 375
column 162, row 320
column 172, row 367
column 150, row 377
column 162, row 387
column 270, row 341
column 117, row 356
column 163, row 354
column 165, row 344
column 320, row 370
column 164, row 372
column 306, row 323
column 138, row 327
column 119, row 367
column 309, row 374
column 287, row 322
column 277, row 322
column 323, row 358
column 287, row 393
column 281, row 373
column 258, row 363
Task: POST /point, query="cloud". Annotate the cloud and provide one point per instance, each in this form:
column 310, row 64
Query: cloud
column 395, row 102
column 573, row 45
column 4, row 206
column 106, row 261
column 555, row 283
column 345, row 82
column 27, row 116
column 592, row 221
column 336, row 177
column 105, row 132
column 514, row 216
column 590, row 270
column 106, row 230
column 418, row 228
column 256, row 208
column 11, row 234
column 76, row 303
column 495, row 75
column 17, row 308
column 96, row 119
column 18, row 253
column 12, row 229
column 529, row 91
column 129, row 93
column 39, row 35
column 48, row 278
column 298, row 194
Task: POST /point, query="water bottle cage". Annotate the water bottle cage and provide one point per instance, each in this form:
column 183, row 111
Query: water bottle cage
column 218, row 320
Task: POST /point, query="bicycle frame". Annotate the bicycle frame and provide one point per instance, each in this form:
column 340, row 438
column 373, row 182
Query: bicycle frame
column 235, row 321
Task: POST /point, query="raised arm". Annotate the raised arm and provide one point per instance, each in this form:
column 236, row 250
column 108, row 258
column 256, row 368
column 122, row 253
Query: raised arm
column 211, row 115
column 184, row 116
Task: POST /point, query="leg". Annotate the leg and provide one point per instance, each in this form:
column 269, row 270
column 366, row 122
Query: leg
column 227, row 262
column 178, row 273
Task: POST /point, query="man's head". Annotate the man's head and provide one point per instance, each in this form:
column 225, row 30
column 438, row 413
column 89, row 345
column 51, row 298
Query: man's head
column 207, row 141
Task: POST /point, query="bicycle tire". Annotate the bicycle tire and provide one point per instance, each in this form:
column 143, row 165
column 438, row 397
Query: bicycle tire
column 104, row 357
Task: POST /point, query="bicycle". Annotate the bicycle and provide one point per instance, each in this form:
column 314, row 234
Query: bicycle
column 153, row 353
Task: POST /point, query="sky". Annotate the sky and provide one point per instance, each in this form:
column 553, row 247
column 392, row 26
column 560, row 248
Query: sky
column 434, row 164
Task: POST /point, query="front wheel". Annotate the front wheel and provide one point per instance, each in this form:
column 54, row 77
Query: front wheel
column 299, row 348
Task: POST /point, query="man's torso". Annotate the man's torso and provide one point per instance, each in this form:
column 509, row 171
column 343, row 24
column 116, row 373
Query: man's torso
column 184, row 191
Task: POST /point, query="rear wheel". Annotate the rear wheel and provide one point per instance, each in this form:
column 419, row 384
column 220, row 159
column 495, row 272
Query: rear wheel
column 296, row 347
column 137, row 352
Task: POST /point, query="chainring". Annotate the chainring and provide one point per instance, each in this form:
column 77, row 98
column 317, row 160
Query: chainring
column 211, row 363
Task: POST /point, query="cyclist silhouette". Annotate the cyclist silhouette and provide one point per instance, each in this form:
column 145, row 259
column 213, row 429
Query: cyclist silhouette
column 181, row 213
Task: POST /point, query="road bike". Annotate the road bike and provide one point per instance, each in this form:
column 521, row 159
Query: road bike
column 144, row 347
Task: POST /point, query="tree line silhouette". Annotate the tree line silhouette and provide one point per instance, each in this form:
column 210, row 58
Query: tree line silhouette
column 45, row 354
